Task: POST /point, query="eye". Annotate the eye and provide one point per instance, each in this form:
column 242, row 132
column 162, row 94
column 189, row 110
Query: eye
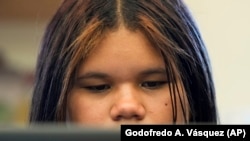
column 153, row 84
column 98, row 88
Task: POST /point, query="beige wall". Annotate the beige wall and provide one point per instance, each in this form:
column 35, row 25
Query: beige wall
column 225, row 28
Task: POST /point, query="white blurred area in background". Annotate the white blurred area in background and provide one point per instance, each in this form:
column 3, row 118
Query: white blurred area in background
column 224, row 25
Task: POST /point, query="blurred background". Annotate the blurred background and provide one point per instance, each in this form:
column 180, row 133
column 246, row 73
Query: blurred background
column 224, row 25
column 22, row 23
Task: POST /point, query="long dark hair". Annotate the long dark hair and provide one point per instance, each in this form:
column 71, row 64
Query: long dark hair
column 79, row 25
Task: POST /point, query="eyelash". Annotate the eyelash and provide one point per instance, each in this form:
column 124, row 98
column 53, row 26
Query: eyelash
column 147, row 84
column 153, row 84
column 98, row 88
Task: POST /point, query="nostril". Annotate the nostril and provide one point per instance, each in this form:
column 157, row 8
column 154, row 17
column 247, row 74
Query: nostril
column 118, row 118
column 121, row 117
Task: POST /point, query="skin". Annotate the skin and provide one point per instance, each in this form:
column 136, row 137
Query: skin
column 123, row 81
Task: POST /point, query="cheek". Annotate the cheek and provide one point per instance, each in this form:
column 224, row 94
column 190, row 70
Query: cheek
column 158, row 106
column 81, row 109
column 161, row 111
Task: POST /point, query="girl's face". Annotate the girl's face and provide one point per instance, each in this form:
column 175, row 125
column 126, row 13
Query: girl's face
column 123, row 81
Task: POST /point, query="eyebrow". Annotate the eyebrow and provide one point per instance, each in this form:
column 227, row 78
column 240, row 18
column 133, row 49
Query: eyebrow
column 152, row 71
column 101, row 75
column 98, row 75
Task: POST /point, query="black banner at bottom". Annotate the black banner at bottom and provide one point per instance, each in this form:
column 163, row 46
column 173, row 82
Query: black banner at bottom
column 201, row 132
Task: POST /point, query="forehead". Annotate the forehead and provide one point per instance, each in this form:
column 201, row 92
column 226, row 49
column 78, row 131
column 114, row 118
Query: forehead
column 123, row 49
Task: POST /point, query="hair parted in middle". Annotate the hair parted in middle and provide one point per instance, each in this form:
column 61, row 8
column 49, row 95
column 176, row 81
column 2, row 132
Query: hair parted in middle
column 80, row 25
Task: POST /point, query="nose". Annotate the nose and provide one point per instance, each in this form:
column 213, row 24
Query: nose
column 127, row 105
